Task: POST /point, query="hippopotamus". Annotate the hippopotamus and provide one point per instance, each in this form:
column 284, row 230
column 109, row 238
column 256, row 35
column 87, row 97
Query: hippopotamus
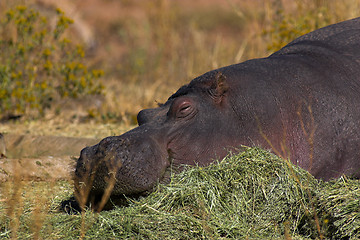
column 301, row 102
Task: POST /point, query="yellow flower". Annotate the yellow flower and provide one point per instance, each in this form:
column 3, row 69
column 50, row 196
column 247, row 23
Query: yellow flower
column 71, row 66
column 80, row 51
column 13, row 75
column 21, row 8
column 48, row 65
column 80, row 66
column 46, row 52
column 21, row 49
column 43, row 19
column 83, row 82
column 2, row 93
column 43, row 85
column 59, row 11
column 66, row 40
column 97, row 73
column 10, row 15
column 72, row 77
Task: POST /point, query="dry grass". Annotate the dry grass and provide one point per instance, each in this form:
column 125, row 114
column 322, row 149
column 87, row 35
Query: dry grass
column 172, row 43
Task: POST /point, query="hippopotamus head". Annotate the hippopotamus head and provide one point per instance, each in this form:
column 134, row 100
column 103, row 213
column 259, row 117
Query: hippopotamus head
column 189, row 129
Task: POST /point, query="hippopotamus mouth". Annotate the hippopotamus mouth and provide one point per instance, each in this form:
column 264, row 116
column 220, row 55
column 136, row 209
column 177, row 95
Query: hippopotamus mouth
column 130, row 164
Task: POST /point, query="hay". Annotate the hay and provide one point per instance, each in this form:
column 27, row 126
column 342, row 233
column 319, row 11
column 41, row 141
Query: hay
column 254, row 195
column 340, row 202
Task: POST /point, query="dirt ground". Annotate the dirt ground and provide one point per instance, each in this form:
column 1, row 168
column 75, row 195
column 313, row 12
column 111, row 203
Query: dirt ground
column 64, row 128
column 40, row 150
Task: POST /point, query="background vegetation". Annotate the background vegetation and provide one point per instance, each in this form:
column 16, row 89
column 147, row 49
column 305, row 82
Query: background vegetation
column 146, row 50
column 38, row 65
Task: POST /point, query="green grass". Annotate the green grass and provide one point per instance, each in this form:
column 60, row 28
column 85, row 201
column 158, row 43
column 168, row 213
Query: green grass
column 254, row 195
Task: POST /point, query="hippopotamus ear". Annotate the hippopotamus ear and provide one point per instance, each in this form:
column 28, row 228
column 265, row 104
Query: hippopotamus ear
column 219, row 87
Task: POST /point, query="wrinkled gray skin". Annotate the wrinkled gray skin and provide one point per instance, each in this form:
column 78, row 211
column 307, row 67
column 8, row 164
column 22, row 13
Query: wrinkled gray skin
column 301, row 102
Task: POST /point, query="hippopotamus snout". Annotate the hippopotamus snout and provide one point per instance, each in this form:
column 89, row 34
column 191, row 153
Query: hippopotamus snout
column 133, row 160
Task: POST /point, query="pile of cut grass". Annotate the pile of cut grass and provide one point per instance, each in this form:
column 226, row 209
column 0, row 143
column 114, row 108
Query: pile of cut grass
column 339, row 200
column 254, row 194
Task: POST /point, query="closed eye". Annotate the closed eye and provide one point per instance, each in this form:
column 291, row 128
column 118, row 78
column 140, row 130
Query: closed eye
column 184, row 110
column 182, row 107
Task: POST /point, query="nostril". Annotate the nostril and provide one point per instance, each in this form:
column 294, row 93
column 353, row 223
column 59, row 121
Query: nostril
column 87, row 155
column 82, row 163
column 106, row 141
column 141, row 117
column 146, row 115
column 84, row 152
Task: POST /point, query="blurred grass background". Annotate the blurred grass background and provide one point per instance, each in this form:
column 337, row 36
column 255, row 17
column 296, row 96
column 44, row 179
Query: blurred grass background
column 146, row 50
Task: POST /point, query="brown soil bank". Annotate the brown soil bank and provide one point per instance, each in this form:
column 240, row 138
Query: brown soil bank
column 41, row 157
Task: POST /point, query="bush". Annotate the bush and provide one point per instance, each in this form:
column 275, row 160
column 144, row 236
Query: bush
column 38, row 65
